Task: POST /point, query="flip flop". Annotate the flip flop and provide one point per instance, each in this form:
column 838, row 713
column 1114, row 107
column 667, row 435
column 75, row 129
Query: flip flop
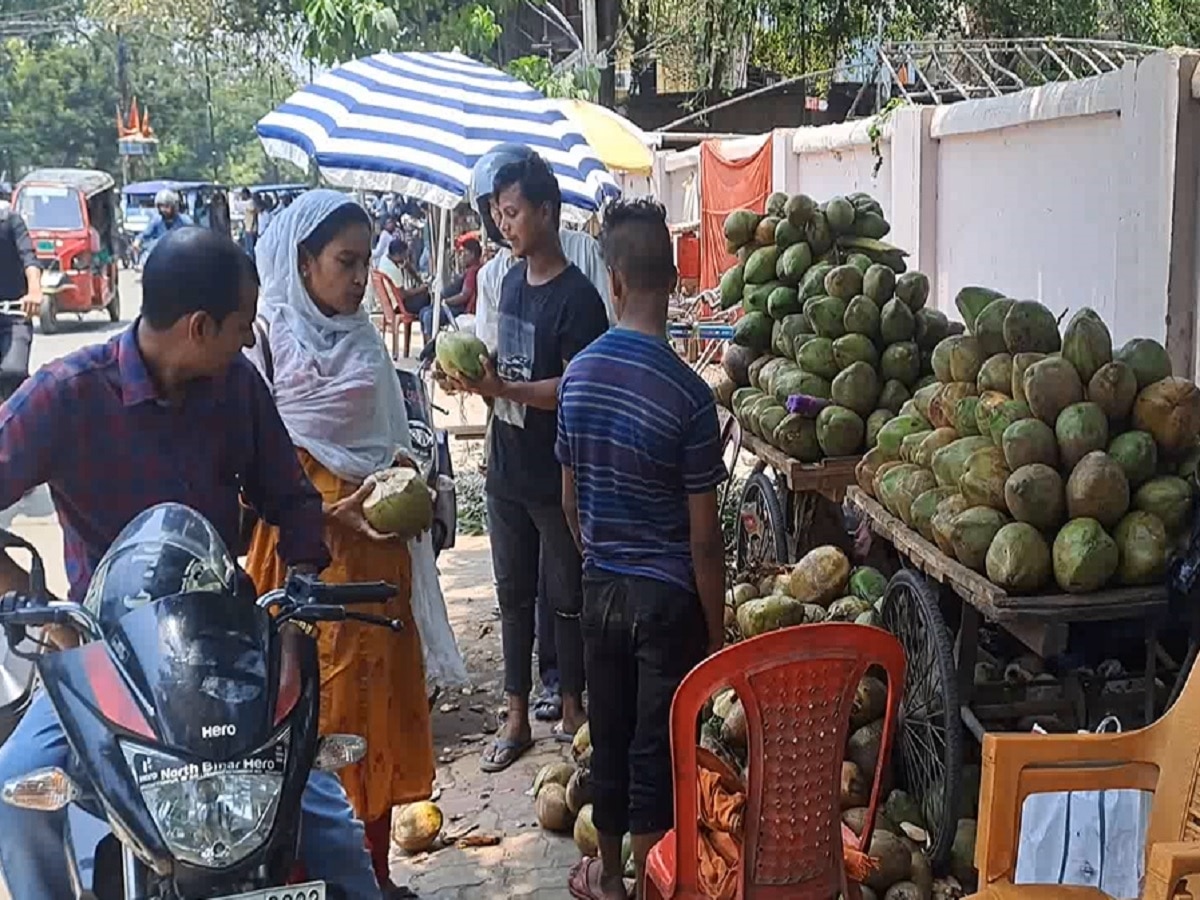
column 580, row 885
column 548, row 707
column 504, row 752
column 562, row 735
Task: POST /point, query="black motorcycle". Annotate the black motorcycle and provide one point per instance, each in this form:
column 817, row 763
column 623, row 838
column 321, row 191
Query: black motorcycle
column 191, row 712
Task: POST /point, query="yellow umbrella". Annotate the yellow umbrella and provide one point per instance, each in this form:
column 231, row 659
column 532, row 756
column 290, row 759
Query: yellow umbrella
column 621, row 145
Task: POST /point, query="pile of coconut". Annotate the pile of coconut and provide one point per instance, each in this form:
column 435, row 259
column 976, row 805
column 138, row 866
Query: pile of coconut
column 562, row 796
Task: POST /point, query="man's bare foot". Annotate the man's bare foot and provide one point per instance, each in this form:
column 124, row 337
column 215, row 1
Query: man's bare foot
column 573, row 715
column 512, row 740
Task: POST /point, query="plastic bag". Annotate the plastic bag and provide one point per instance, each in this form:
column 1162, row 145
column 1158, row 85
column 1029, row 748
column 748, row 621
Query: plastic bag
column 1087, row 838
column 444, row 667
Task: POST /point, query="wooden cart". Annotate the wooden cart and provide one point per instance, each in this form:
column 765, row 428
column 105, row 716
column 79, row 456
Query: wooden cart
column 780, row 501
column 932, row 597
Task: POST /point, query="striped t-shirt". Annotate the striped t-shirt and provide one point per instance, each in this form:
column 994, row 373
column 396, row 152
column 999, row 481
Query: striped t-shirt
column 639, row 430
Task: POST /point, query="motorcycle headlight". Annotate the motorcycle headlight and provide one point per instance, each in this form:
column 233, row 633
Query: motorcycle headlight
column 211, row 814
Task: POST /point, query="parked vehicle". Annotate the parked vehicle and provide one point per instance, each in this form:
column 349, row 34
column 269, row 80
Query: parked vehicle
column 191, row 711
column 72, row 219
column 205, row 202
column 431, row 446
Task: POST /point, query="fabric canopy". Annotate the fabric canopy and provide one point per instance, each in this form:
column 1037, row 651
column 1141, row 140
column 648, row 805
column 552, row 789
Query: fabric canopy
column 416, row 123
column 621, row 145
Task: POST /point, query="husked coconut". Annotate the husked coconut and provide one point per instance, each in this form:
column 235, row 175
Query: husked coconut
column 400, row 503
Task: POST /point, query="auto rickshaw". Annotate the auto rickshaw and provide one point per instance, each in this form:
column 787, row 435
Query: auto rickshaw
column 72, row 219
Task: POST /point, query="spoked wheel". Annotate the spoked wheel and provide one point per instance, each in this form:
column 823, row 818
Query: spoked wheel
column 928, row 742
column 762, row 528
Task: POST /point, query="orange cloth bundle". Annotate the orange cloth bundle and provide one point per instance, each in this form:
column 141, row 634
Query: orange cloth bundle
column 722, row 801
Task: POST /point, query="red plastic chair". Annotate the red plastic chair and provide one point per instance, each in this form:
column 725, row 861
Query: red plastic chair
column 394, row 313
column 797, row 686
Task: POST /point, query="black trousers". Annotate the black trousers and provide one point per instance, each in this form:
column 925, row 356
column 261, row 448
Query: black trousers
column 524, row 535
column 641, row 637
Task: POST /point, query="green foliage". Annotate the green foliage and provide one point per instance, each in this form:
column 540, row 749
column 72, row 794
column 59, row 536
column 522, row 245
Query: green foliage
column 58, row 102
column 580, row 83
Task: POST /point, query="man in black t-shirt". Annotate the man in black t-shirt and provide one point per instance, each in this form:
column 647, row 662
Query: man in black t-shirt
column 549, row 311
column 20, row 280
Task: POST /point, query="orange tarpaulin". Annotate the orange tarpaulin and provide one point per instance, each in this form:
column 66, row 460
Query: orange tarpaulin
column 726, row 185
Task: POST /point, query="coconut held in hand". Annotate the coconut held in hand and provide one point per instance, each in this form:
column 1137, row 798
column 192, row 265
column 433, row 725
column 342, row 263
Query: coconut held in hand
column 458, row 355
column 400, row 503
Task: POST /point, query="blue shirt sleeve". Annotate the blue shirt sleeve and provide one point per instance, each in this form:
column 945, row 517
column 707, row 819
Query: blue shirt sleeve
column 154, row 230
column 562, row 447
column 30, row 435
column 701, row 464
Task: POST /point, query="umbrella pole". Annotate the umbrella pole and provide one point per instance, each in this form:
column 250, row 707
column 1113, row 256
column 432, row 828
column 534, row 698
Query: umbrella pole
column 445, row 241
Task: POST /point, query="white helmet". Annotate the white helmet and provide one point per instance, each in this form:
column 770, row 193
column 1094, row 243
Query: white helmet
column 167, row 197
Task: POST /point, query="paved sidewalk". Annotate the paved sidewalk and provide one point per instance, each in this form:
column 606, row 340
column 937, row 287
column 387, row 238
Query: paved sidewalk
column 527, row 862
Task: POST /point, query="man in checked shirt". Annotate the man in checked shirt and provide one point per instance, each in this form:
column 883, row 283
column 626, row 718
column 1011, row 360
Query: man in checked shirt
column 168, row 411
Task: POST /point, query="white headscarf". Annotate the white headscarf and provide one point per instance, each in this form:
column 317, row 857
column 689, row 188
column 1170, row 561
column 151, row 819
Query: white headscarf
column 334, row 384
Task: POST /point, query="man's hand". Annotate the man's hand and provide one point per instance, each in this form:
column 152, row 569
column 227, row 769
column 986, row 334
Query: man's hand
column 404, row 461
column 349, row 512
column 31, row 305
column 489, row 386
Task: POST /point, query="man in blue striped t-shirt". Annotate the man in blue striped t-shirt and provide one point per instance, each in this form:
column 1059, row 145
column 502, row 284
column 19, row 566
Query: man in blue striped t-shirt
column 641, row 459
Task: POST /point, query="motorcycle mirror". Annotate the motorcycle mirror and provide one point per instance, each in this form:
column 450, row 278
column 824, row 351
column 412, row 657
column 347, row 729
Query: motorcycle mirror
column 37, row 568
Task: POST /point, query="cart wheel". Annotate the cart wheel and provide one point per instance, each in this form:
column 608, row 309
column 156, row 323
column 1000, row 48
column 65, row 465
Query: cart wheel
column 928, row 746
column 762, row 529
column 114, row 305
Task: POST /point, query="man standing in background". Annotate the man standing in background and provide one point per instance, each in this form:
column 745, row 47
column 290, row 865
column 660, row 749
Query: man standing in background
column 20, row 281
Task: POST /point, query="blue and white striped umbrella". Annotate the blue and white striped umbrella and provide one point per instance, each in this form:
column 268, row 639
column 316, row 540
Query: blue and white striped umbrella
column 416, row 123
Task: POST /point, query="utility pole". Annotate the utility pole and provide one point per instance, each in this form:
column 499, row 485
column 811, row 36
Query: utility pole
column 208, row 105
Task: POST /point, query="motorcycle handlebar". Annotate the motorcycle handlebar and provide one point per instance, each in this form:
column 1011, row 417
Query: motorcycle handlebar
column 349, row 594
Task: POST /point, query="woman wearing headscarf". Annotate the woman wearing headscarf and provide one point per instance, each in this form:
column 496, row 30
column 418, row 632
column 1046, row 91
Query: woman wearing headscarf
column 338, row 394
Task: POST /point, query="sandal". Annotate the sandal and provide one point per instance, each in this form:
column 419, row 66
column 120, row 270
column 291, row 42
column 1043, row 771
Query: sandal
column 548, row 706
column 580, row 882
column 562, row 735
column 503, row 753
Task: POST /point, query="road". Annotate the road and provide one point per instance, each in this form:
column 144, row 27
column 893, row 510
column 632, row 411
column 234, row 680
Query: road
column 33, row 518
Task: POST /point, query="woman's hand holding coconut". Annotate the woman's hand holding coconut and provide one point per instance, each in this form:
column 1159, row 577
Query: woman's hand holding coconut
column 349, row 512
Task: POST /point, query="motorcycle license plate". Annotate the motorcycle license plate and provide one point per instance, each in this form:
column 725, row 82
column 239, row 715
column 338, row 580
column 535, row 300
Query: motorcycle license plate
column 312, row 890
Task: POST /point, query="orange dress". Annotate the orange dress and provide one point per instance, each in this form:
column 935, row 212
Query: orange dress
column 373, row 679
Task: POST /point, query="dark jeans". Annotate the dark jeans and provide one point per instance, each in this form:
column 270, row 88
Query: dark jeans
column 640, row 638
column 426, row 317
column 9, row 385
column 522, row 535
column 547, row 652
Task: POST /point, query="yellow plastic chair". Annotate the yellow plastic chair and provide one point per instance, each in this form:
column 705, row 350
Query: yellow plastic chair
column 1163, row 758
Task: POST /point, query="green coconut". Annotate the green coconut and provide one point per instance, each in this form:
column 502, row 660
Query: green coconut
column 1113, row 388
column 923, row 397
column 1021, row 362
column 913, row 289
column 1007, row 413
column 995, row 374
column 1050, row 386
column 1169, row 498
column 893, row 395
column 1085, row 557
column 458, row 354
column 840, row 431
column 944, row 403
column 901, row 362
column 1098, row 489
column 816, row 356
column 826, row 315
column 972, row 532
column 943, row 521
column 862, row 317
column 1087, row 343
column 949, row 462
column 1033, row 494
column 989, row 327
column 875, row 422
column 796, row 436
column 1148, row 359
column 399, row 503
column 964, row 420
column 1029, row 441
column 1080, row 429
column 896, row 322
column 932, row 327
column 867, row 583
column 971, row 301
column 895, row 431
column 925, row 506
column 1018, row 559
column 1137, row 455
column 989, row 403
column 931, row 443
column 1143, row 543
column 983, row 478
column 1029, row 327
column 856, row 387
column 852, row 348
column 958, row 358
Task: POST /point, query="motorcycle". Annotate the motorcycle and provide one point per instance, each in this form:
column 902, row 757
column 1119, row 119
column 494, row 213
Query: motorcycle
column 191, row 713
